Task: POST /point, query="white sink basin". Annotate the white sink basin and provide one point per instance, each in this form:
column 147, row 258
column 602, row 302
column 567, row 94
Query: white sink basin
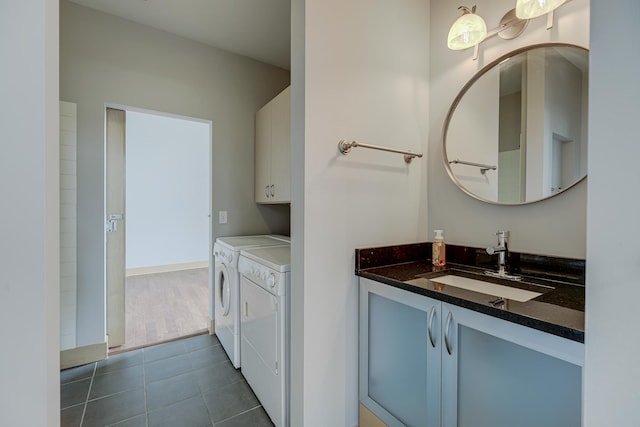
column 501, row 291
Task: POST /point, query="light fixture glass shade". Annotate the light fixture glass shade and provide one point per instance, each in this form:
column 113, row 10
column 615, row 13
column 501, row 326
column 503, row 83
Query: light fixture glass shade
column 527, row 9
column 467, row 31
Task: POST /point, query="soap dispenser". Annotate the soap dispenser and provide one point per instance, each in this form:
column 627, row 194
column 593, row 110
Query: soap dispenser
column 438, row 250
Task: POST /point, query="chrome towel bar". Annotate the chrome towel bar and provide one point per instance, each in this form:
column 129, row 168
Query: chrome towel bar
column 345, row 146
column 483, row 168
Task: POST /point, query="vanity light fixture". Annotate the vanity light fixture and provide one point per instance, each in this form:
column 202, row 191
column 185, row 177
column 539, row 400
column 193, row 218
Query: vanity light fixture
column 527, row 9
column 469, row 30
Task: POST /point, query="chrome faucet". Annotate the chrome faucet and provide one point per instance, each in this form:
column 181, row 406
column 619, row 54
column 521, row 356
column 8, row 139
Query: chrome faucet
column 503, row 255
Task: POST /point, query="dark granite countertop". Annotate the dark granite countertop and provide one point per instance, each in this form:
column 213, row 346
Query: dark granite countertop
column 558, row 311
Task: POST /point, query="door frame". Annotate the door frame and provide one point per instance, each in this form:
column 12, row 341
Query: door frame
column 121, row 313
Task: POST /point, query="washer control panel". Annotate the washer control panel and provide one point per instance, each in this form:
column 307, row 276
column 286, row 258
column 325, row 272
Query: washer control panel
column 224, row 254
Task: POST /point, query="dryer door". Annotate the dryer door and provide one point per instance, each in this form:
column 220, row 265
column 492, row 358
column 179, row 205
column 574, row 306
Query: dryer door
column 260, row 348
column 260, row 322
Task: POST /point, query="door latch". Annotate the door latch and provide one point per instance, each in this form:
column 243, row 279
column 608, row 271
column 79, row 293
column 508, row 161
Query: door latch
column 112, row 222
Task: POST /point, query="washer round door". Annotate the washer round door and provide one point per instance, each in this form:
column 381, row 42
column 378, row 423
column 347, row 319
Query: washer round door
column 223, row 291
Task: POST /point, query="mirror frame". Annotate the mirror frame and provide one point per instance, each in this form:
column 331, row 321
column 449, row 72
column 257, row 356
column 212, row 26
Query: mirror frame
column 459, row 97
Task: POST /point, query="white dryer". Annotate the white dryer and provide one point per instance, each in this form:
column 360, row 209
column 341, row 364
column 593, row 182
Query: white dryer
column 225, row 294
column 265, row 331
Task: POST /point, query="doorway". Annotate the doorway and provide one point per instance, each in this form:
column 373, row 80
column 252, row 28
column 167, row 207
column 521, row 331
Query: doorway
column 158, row 276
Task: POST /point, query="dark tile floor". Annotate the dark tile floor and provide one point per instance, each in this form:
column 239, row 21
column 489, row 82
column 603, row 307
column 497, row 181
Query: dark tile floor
column 184, row 383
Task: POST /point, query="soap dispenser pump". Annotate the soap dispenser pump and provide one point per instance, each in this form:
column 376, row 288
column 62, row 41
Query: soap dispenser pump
column 438, row 250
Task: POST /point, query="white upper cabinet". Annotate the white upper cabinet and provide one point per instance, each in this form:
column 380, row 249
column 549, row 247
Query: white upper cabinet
column 273, row 150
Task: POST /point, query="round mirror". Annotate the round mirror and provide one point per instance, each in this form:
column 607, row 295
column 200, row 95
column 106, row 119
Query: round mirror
column 517, row 131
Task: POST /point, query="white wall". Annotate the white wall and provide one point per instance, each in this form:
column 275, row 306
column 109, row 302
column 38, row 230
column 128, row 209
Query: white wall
column 365, row 77
column 464, row 219
column 612, row 371
column 167, row 190
column 29, row 219
column 108, row 60
column 298, row 114
column 68, row 225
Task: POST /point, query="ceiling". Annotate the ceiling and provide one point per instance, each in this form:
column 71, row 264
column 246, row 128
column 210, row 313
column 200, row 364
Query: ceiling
column 258, row 29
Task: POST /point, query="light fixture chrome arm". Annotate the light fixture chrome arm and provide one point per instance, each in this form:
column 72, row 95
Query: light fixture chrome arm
column 470, row 30
column 509, row 27
column 483, row 168
column 345, row 146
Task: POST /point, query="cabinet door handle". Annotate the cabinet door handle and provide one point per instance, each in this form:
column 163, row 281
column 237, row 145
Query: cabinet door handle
column 429, row 332
column 266, row 191
column 447, row 331
column 273, row 192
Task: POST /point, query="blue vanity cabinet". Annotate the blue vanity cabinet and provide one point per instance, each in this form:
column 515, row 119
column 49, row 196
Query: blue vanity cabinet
column 400, row 355
column 427, row 363
column 497, row 373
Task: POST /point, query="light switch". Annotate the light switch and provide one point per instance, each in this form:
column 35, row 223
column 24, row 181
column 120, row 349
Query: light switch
column 222, row 217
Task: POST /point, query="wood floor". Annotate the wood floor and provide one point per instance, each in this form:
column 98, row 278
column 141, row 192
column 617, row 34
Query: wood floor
column 162, row 307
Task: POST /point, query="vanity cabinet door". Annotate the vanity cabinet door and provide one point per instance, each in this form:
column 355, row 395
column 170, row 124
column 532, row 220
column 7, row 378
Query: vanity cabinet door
column 497, row 373
column 399, row 359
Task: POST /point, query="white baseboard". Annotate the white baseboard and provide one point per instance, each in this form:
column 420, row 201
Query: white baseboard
column 138, row 271
column 83, row 355
column 212, row 327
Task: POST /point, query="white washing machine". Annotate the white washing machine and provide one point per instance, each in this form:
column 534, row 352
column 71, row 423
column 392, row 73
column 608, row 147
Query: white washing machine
column 225, row 294
column 265, row 331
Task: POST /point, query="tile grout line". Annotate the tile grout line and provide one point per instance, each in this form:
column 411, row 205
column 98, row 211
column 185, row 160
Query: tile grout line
column 240, row 413
column 187, row 353
column 120, row 391
column 84, row 409
column 206, row 406
column 202, row 391
column 75, row 381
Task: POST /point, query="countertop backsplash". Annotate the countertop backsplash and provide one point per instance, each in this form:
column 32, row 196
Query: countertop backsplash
column 568, row 270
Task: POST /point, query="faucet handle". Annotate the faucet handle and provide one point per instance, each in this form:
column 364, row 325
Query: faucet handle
column 492, row 250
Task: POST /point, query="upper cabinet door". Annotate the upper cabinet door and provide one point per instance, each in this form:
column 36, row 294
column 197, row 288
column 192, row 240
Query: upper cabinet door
column 273, row 150
column 281, row 147
column 263, row 154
